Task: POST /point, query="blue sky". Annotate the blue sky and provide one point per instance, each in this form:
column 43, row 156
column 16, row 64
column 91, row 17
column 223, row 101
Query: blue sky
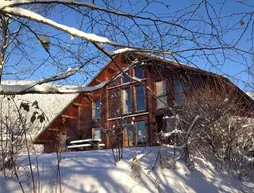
column 231, row 68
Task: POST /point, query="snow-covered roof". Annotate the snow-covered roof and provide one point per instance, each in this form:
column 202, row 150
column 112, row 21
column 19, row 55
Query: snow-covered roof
column 251, row 94
column 50, row 104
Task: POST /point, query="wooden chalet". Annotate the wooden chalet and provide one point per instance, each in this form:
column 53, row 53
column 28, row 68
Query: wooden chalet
column 137, row 102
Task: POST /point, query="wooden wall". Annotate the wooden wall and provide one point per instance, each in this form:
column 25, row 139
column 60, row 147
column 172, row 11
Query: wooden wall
column 79, row 122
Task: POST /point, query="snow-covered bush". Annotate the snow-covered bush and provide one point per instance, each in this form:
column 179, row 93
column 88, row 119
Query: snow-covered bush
column 16, row 123
column 136, row 168
column 213, row 122
column 221, row 131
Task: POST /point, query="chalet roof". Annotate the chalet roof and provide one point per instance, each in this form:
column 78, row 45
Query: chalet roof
column 100, row 71
column 251, row 94
column 50, row 104
column 149, row 59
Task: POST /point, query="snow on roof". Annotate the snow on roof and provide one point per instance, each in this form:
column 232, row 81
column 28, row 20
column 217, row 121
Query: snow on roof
column 251, row 94
column 50, row 104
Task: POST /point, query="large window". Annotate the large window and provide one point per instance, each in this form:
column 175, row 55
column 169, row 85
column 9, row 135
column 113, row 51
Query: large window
column 126, row 103
column 161, row 94
column 138, row 72
column 97, row 109
column 97, row 133
column 140, row 99
column 126, row 78
column 141, row 132
column 179, row 92
column 168, row 124
column 130, row 134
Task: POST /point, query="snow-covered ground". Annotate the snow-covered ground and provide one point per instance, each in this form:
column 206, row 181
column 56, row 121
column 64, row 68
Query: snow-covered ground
column 94, row 172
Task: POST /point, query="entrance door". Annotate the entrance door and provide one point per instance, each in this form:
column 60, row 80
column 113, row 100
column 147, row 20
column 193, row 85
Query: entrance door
column 72, row 130
column 159, row 123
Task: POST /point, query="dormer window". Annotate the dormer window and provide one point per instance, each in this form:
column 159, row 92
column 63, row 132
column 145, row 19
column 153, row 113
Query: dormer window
column 97, row 109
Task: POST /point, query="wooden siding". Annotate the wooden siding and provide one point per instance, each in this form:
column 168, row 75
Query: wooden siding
column 77, row 119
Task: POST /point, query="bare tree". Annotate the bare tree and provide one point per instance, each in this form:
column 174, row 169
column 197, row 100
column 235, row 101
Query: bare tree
column 196, row 32
column 221, row 131
column 38, row 36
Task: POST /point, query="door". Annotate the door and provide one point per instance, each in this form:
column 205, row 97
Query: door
column 72, row 130
column 159, row 123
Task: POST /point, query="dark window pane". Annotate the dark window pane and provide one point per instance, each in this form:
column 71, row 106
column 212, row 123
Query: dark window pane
column 179, row 92
column 97, row 110
column 169, row 125
column 179, row 98
column 140, row 99
column 138, row 72
column 126, row 100
column 141, row 132
column 126, row 78
column 179, row 86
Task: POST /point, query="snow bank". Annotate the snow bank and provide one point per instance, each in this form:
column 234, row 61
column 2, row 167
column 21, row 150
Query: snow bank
column 94, row 171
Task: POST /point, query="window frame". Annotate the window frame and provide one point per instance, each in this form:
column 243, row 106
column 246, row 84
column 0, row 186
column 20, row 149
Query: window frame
column 130, row 140
column 164, row 94
column 95, row 108
column 123, row 102
column 136, row 98
column 145, row 132
column 179, row 92
column 94, row 134
column 142, row 72
column 168, row 124
column 124, row 75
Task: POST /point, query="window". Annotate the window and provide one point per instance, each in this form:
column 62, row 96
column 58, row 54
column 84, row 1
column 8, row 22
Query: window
column 141, row 132
column 140, row 99
column 161, row 94
column 139, row 72
column 97, row 109
column 130, row 134
column 179, row 92
column 126, row 103
column 97, row 133
column 168, row 124
column 126, row 78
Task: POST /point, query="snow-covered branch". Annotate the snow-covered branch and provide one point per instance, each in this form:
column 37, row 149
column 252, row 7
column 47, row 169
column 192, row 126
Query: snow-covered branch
column 46, row 89
column 40, row 87
column 171, row 133
column 70, row 30
column 13, row 3
column 10, row 7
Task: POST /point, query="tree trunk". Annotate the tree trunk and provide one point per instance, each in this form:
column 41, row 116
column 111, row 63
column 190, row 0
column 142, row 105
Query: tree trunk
column 4, row 26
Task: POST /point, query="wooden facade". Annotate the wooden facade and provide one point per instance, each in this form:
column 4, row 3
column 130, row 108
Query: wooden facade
column 137, row 106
